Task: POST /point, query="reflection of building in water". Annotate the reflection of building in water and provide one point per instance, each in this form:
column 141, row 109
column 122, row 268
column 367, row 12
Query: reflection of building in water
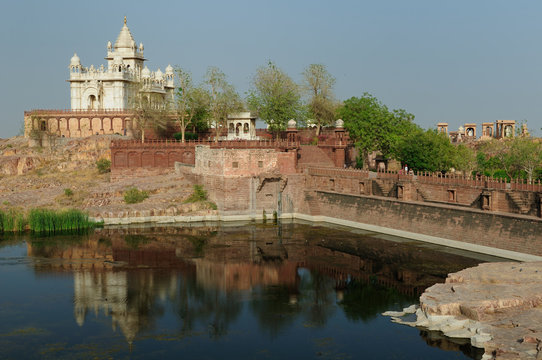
column 126, row 275
column 122, row 295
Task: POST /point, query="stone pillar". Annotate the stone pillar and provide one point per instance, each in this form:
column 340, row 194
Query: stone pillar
column 339, row 132
column 339, row 157
column 291, row 131
column 404, row 190
column 340, row 144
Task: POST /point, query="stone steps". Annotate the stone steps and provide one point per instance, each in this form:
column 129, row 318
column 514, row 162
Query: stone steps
column 522, row 204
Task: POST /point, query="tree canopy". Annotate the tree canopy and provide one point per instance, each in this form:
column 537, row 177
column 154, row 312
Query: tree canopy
column 318, row 84
column 518, row 157
column 223, row 98
column 192, row 102
column 274, row 97
column 426, row 151
column 150, row 111
column 373, row 127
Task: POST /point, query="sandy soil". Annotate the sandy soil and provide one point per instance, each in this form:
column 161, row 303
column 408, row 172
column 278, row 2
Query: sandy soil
column 43, row 180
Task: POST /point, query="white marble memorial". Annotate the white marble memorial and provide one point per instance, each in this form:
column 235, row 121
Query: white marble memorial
column 115, row 87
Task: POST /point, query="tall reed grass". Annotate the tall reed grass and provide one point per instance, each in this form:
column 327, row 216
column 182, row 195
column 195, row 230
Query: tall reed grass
column 44, row 221
column 50, row 221
column 12, row 221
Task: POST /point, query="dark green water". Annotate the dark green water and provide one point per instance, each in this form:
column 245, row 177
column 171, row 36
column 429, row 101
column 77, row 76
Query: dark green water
column 220, row 292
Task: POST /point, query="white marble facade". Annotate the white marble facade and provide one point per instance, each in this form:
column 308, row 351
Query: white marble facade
column 115, row 87
column 241, row 126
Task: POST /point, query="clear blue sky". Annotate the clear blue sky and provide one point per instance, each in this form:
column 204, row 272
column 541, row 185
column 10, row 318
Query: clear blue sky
column 454, row 61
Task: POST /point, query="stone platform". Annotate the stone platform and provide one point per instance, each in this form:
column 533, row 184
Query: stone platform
column 498, row 306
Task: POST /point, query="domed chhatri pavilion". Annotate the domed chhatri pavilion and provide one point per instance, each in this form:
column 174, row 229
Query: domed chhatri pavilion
column 115, row 87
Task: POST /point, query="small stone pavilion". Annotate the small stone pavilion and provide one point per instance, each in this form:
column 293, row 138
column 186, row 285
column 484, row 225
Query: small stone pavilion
column 468, row 132
column 241, row 126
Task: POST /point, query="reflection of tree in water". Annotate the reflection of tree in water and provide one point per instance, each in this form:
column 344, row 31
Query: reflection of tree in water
column 364, row 301
column 275, row 307
column 198, row 304
column 317, row 297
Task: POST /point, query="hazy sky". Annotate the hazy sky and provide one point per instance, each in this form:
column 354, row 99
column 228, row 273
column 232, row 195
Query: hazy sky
column 450, row 61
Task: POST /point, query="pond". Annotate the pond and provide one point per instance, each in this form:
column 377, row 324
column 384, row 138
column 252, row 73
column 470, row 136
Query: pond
column 229, row 291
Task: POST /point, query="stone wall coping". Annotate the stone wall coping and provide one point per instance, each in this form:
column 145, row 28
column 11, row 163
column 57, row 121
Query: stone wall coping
column 434, row 204
column 427, row 177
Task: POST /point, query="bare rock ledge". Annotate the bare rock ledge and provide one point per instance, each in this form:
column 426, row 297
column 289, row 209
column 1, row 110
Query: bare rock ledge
column 498, row 306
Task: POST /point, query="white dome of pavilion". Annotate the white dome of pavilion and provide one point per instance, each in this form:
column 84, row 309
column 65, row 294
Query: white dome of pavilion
column 169, row 70
column 339, row 123
column 125, row 40
column 75, row 61
column 291, row 124
column 158, row 74
column 146, row 72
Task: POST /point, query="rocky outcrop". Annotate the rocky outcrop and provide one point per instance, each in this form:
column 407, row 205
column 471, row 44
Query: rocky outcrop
column 498, row 306
column 18, row 165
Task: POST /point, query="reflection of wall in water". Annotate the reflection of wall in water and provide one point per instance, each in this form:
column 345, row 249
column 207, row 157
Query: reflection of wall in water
column 244, row 276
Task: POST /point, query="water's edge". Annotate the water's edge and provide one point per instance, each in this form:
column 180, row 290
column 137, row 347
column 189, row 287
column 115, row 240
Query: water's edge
column 507, row 254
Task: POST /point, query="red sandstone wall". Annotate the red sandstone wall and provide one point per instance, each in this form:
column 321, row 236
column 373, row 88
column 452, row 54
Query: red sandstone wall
column 470, row 226
column 519, row 198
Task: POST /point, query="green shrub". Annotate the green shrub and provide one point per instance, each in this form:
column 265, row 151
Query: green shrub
column 187, row 136
column 501, row 174
column 134, row 196
column 68, row 192
column 199, row 194
column 212, row 205
column 103, row 165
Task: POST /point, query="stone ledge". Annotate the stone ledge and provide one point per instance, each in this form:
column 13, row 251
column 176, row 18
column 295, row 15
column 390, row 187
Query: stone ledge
column 498, row 306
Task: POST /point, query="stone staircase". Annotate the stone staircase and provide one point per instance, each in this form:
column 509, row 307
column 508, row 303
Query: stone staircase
column 422, row 193
column 521, row 203
column 384, row 187
column 313, row 205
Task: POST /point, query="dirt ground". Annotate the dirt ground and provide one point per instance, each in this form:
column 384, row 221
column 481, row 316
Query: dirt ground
column 43, row 180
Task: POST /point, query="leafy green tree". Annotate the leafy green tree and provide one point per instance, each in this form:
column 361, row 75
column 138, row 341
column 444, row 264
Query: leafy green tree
column 150, row 111
column 498, row 152
column 318, row 84
column 465, row 159
column 373, row 127
column 192, row 102
column 427, row 151
column 274, row 97
column 526, row 155
column 223, row 99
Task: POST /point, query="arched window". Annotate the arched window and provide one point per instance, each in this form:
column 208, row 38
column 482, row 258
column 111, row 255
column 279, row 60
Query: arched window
column 245, row 128
column 231, row 128
column 92, row 102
